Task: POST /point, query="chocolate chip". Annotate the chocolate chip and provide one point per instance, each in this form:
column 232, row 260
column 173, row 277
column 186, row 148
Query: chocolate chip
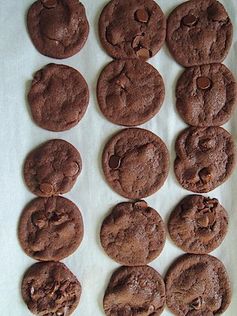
column 196, row 304
column 141, row 204
column 189, row 20
column 136, row 41
column 142, row 15
column 114, row 162
column 203, row 83
column 32, row 291
column 49, row 3
column 71, row 170
column 143, row 53
column 205, row 175
column 203, row 221
column 46, row 188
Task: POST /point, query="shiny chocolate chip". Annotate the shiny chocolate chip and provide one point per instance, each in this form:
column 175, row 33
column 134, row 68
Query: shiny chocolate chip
column 142, row 16
column 203, row 83
column 46, row 188
column 114, row 162
column 189, row 20
column 143, row 53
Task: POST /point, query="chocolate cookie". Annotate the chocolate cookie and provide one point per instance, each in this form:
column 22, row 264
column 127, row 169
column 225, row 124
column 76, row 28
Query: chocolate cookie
column 133, row 234
column 197, row 285
column 50, row 289
column 199, row 32
column 50, row 228
column 58, row 28
column 52, row 168
column 58, row 97
column 198, row 224
column 132, row 29
column 206, row 95
column 135, row 163
column 135, row 291
column 130, row 92
column 205, row 159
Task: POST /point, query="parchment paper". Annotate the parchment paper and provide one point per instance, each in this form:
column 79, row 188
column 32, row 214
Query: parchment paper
column 19, row 60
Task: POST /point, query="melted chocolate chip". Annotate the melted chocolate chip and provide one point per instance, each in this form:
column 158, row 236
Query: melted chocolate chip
column 203, row 83
column 143, row 53
column 142, row 15
column 114, row 162
column 189, row 20
column 46, row 188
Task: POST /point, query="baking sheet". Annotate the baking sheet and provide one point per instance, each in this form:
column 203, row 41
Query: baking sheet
column 19, row 60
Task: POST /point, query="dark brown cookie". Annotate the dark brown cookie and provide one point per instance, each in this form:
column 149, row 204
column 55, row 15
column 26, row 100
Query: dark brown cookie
column 58, row 28
column 52, row 168
column 197, row 285
column 50, row 289
column 206, row 95
column 135, row 163
column 132, row 29
column 130, row 92
column 206, row 157
column 198, row 224
column 58, row 97
column 199, row 32
column 137, row 291
column 133, row 234
column 50, row 229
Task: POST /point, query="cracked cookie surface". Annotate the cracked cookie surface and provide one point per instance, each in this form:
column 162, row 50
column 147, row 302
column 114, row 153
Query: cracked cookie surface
column 198, row 224
column 50, row 229
column 199, row 32
column 132, row 29
column 133, row 234
column 197, row 285
column 206, row 95
column 135, row 163
column 52, row 168
column 130, row 92
column 137, row 291
column 58, row 97
column 50, row 289
column 206, row 157
column 58, row 28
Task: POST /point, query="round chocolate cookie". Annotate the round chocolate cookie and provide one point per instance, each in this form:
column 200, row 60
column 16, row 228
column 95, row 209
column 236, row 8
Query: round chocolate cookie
column 132, row 29
column 197, row 285
column 50, row 289
column 58, row 28
column 133, row 234
column 52, row 168
column 198, row 224
column 206, row 95
column 130, row 92
column 135, row 163
column 199, row 32
column 206, row 157
column 58, row 97
column 50, row 229
column 135, row 291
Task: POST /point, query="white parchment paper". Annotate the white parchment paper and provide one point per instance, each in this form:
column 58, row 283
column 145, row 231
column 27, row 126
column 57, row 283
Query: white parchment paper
column 18, row 61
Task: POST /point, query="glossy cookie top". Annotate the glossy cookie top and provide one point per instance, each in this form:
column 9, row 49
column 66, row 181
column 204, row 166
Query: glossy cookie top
column 132, row 29
column 199, row 32
column 135, row 291
column 197, row 285
column 206, row 157
column 130, row 92
column 135, row 163
column 58, row 28
column 52, row 168
column 133, row 233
